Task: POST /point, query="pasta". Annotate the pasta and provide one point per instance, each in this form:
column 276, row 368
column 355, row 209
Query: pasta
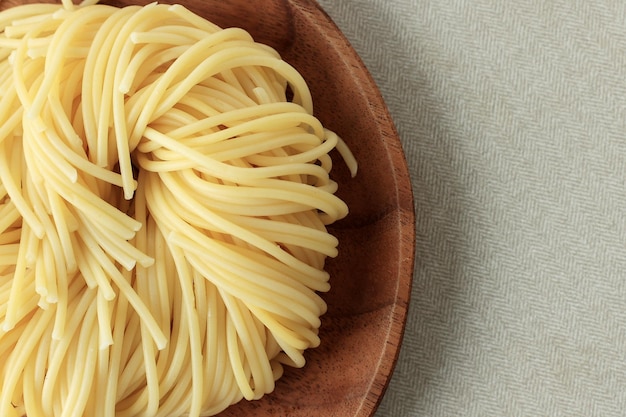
column 164, row 198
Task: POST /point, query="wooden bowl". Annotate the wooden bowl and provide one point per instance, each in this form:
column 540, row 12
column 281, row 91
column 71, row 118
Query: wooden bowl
column 371, row 278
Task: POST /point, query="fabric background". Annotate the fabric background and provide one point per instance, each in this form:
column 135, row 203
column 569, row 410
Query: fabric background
column 512, row 117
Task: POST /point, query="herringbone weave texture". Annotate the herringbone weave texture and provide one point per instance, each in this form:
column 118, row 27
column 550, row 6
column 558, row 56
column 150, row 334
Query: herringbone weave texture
column 512, row 115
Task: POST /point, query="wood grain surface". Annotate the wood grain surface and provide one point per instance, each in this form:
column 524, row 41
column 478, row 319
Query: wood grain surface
column 372, row 276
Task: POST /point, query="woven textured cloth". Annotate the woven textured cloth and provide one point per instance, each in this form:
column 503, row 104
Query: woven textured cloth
column 512, row 114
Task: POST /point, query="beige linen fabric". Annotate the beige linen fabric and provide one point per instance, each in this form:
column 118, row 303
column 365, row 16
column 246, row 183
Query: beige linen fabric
column 512, row 114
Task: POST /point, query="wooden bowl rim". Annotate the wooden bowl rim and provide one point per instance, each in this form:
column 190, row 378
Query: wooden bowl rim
column 405, row 203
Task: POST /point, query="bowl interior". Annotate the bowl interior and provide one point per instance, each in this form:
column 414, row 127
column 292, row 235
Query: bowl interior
column 371, row 278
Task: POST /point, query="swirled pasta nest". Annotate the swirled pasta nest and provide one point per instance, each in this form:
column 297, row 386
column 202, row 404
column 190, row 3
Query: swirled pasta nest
column 164, row 197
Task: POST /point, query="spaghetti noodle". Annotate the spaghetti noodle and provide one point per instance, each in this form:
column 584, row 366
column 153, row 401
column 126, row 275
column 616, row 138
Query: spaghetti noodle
column 163, row 213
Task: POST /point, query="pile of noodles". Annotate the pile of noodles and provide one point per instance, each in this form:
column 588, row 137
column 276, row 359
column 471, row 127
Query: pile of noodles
column 164, row 197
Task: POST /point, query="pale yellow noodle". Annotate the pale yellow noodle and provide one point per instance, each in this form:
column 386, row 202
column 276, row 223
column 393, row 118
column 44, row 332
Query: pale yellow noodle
column 163, row 213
